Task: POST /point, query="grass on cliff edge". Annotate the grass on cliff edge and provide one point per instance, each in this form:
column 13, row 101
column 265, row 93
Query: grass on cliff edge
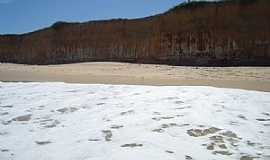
column 196, row 4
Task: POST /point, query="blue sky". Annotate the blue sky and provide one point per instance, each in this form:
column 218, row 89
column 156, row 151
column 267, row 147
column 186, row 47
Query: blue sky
column 21, row 16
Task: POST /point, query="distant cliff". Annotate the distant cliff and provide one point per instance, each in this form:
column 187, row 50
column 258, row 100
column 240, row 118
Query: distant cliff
column 229, row 33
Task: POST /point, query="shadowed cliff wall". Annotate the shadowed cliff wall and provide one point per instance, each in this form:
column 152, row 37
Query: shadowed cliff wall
column 210, row 34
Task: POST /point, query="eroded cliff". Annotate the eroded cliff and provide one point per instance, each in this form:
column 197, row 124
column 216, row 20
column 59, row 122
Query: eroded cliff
column 227, row 33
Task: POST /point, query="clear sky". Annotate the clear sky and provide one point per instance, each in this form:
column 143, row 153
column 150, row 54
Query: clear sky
column 20, row 16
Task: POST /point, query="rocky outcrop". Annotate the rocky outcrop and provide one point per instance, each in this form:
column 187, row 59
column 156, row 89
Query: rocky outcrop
column 227, row 33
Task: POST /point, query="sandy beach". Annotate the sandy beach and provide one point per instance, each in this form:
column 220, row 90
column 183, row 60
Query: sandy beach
column 250, row 78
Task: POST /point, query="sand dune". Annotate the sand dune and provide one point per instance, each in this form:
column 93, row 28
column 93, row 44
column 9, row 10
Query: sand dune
column 251, row 78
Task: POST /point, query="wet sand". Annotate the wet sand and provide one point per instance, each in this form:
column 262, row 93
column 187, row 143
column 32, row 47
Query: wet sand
column 250, row 78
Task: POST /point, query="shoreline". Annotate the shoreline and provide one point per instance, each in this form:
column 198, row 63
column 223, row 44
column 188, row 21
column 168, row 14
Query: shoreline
column 249, row 78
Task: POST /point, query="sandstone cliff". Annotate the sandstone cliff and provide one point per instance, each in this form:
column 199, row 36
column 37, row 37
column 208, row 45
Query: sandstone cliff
column 227, row 33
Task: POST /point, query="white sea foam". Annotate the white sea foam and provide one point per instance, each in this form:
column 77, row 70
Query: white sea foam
column 101, row 122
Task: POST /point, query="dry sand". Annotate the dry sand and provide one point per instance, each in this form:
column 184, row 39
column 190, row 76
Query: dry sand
column 251, row 78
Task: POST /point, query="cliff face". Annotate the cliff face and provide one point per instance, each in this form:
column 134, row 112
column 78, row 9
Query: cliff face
column 210, row 34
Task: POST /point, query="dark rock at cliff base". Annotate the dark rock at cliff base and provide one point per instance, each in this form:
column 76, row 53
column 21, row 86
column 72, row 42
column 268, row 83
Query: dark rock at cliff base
column 229, row 33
